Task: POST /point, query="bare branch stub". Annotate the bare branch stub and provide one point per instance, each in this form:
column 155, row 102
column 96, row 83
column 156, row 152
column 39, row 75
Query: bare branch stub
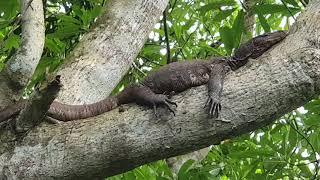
column 36, row 108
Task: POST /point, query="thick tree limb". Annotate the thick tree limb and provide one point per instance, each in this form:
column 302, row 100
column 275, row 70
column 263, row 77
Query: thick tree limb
column 249, row 19
column 280, row 81
column 106, row 53
column 22, row 64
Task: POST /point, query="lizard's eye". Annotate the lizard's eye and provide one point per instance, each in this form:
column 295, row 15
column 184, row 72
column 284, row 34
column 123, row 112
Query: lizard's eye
column 205, row 76
column 192, row 76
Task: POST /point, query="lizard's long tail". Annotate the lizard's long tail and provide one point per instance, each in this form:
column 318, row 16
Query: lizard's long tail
column 64, row 112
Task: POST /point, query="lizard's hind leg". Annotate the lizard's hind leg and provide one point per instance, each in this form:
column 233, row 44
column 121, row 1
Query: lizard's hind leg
column 143, row 95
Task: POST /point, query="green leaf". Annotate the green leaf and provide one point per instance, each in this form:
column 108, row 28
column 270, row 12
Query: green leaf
column 272, row 163
column 250, row 169
column 77, row 10
column 4, row 23
column 305, row 171
column 284, row 143
column 216, row 5
column 185, row 168
column 238, row 28
column 251, row 153
column 315, row 141
column 9, row 8
column 221, row 15
column 96, row 11
column 64, row 19
column 67, row 27
column 151, row 51
column 274, row 8
column 293, row 139
column 313, row 106
column 129, row 176
column 1, row 66
column 54, row 45
column 206, row 47
column 292, row 2
column 312, row 120
column 145, row 172
column 264, row 23
column 231, row 37
column 13, row 41
column 226, row 35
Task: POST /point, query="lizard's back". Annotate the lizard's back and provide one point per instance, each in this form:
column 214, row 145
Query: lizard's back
column 179, row 76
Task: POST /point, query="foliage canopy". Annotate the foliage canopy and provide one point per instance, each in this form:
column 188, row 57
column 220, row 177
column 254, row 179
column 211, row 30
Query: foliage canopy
column 288, row 149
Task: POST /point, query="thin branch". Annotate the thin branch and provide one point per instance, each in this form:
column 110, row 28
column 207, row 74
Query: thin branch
column 174, row 5
column 149, row 60
column 139, row 70
column 208, row 30
column 166, row 33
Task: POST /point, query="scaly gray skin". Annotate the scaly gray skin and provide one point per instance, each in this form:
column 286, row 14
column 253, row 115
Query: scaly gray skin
column 175, row 77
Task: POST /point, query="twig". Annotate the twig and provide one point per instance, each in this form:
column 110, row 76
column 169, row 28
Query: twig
column 208, row 31
column 165, row 28
column 137, row 68
column 174, row 5
column 149, row 60
column 29, row 5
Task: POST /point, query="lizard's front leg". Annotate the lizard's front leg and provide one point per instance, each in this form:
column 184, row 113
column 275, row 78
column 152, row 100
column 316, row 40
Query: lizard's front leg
column 215, row 86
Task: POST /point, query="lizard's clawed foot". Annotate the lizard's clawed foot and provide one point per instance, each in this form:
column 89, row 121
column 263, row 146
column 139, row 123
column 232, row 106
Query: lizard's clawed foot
column 214, row 107
column 163, row 100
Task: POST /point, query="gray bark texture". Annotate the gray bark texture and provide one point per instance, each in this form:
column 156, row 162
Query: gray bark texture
column 283, row 79
column 23, row 63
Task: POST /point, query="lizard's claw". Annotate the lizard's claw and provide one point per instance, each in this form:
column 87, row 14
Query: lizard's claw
column 214, row 107
column 163, row 101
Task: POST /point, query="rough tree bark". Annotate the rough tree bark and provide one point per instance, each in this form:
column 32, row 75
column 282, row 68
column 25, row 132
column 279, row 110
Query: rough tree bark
column 22, row 64
column 281, row 80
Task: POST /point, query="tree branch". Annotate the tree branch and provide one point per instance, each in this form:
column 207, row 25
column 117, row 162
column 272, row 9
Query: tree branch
column 38, row 105
column 22, row 64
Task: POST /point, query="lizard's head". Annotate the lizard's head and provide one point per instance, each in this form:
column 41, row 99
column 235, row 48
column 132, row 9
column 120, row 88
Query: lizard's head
column 263, row 42
column 258, row 45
